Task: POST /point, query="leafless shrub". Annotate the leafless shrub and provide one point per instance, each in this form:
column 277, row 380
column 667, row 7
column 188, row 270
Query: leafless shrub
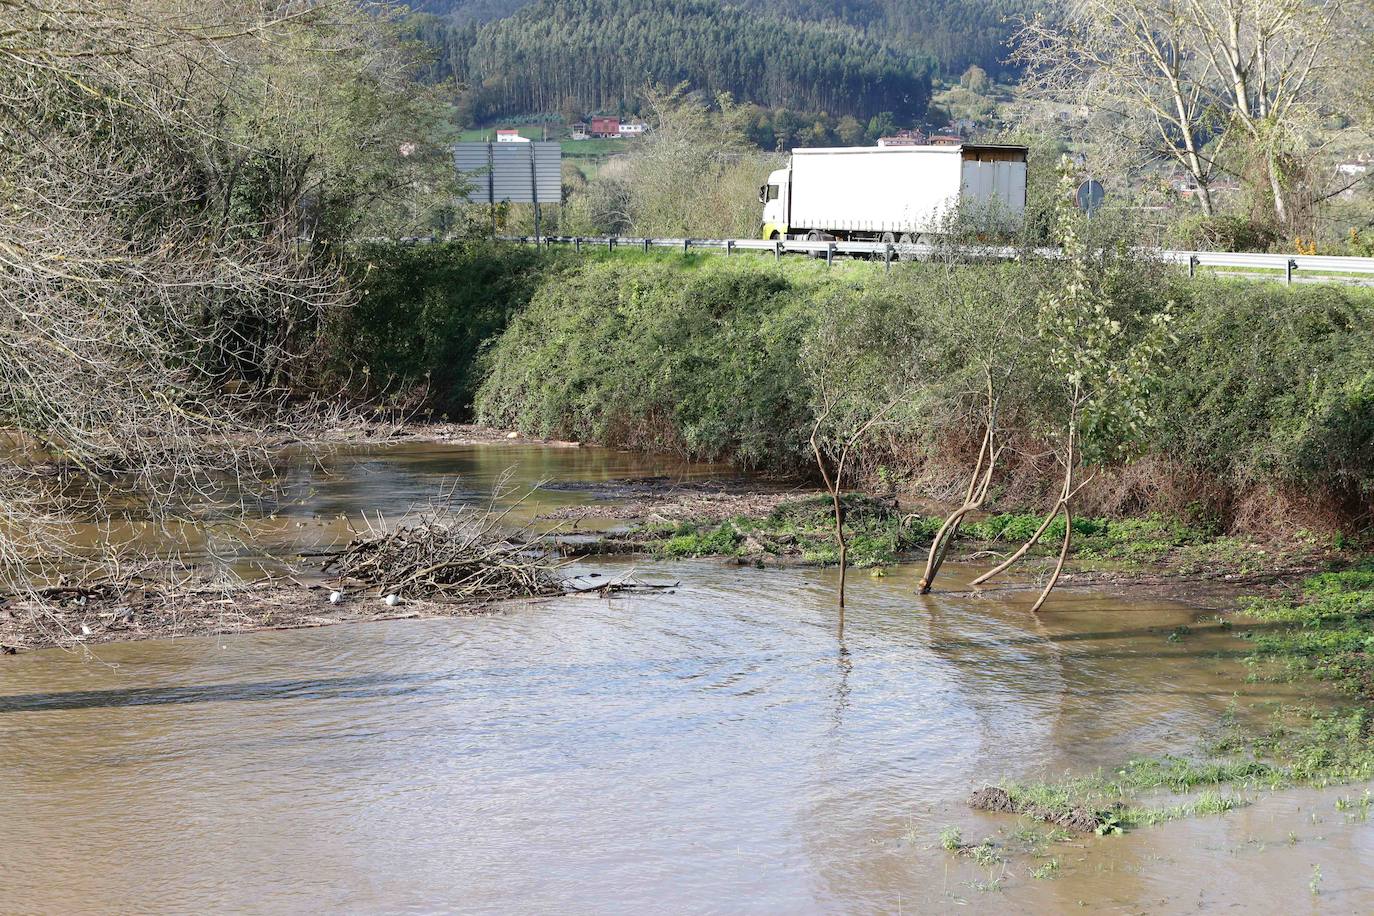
column 160, row 269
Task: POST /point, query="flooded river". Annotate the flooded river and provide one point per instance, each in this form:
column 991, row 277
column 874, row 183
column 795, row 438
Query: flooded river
column 717, row 749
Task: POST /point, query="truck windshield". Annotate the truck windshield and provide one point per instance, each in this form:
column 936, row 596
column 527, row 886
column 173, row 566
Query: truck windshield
column 772, row 192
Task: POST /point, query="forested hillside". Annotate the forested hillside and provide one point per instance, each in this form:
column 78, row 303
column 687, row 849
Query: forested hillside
column 954, row 33
column 466, row 11
column 585, row 55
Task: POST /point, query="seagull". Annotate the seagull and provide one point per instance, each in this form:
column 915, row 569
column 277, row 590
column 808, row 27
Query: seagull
column 335, row 596
column 392, row 600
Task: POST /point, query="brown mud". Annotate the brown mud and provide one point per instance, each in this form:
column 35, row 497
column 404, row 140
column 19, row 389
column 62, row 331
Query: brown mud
column 666, row 499
column 997, row 800
column 355, row 430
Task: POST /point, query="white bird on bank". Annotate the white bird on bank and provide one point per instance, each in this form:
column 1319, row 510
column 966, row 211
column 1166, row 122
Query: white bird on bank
column 335, row 596
column 392, row 600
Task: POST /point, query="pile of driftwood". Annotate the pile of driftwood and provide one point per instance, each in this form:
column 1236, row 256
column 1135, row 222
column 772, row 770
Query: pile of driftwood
column 435, row 559
column 445, row 550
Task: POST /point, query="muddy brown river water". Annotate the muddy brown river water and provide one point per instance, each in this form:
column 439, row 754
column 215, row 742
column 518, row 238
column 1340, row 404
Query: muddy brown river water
column 718, row 749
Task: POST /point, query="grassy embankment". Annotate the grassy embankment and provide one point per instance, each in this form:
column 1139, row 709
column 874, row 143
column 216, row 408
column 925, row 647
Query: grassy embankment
column 1263, row 414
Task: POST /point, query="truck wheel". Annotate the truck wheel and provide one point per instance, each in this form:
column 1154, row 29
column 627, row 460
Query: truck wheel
column 904, row 252
column 815, row 235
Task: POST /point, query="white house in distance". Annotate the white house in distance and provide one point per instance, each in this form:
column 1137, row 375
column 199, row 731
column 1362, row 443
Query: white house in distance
column 509, row 135
column 633, row 128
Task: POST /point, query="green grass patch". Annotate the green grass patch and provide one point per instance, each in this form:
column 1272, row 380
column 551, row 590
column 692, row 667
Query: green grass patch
column 802, row 529
column 1327, row 631
column 1140, row 539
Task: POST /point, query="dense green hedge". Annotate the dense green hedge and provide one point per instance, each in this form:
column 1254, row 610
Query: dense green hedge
column 1263, row 384
column 1273, row 383
column 698, row 357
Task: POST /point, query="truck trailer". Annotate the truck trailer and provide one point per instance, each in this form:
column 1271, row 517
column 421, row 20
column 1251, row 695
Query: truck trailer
column 888, row 194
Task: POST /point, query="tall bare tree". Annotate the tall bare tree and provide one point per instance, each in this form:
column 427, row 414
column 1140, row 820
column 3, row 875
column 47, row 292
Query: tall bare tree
column 1190, row 79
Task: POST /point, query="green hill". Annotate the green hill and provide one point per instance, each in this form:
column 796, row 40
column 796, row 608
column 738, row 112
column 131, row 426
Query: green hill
column 555, row 55
column 952, row 33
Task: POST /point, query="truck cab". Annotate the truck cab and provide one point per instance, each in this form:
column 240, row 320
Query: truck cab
column 775, row 197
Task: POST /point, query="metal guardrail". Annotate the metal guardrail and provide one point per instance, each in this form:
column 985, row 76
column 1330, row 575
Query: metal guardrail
column 889, row 252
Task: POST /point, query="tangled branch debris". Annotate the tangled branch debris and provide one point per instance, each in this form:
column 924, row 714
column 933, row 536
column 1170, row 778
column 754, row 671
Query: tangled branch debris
column 447, row 550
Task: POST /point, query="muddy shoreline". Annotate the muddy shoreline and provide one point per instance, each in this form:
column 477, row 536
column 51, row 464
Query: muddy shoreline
column 99, row 615
column 624, row 516
column 150, row 613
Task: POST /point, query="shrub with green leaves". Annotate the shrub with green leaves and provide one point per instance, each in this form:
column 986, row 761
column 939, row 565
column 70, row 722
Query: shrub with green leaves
column 693, row 356
column 1256, row 385
column 425, row 312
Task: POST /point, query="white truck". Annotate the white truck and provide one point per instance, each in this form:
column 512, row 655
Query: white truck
column 888, row 194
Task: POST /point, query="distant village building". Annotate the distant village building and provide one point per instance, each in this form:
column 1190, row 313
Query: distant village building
column 904, row 138
column 633, row 128
column 509, row 135
column 946, row 138
column 605, row 128
column 579, row 131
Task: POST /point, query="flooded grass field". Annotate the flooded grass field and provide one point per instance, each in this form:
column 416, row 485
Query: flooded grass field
column 719, row 748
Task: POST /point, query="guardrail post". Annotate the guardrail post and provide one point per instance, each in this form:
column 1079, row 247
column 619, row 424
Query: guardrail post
column 577, row 244
column 1192, row 265
column 777, row 249
column 610, row 244
column 686, row 243
column 729, row 247
column 1288, row 272
column 646, row 246
column 829, row 253
column 887, row 259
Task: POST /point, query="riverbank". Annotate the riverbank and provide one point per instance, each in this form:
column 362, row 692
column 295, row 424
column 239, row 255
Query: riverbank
column 383, row 428
column 744, row 520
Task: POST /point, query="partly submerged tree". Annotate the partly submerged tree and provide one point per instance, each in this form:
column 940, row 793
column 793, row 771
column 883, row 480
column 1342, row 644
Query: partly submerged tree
column 855, row 390
column 1104, row 354
column 984, row 335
